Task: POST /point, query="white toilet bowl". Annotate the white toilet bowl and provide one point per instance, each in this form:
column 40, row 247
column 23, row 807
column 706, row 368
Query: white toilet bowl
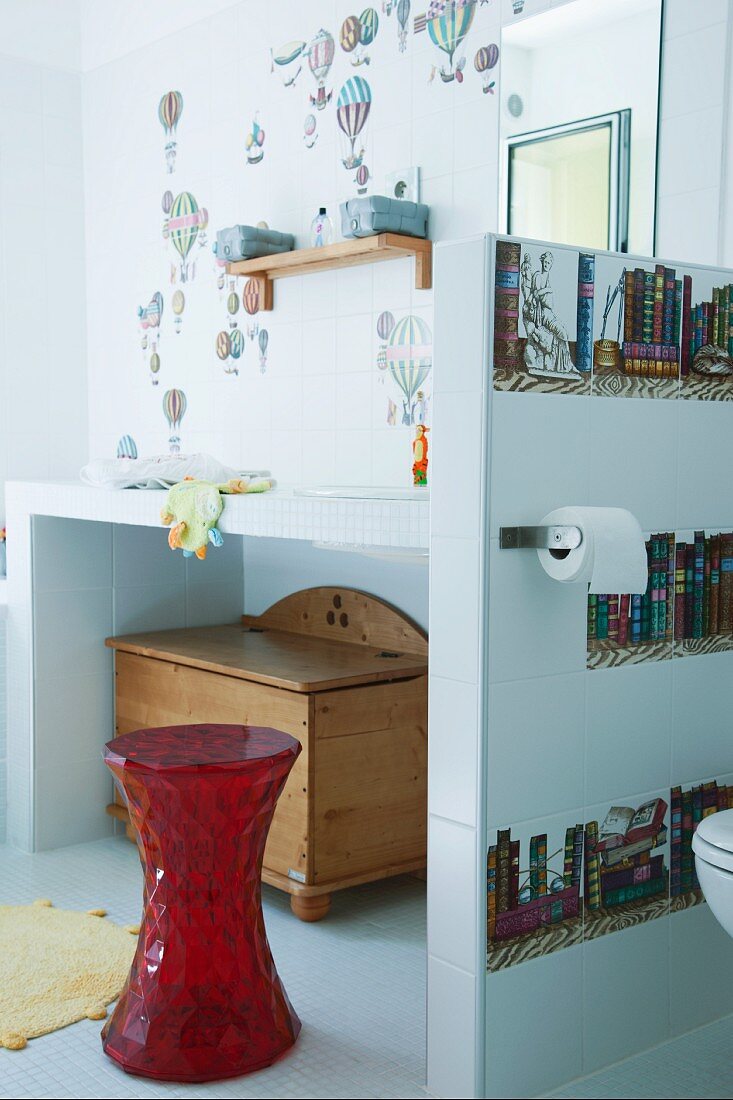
column 712, row 844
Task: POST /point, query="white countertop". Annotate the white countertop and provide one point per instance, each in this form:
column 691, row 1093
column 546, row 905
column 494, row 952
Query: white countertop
column 336, row 521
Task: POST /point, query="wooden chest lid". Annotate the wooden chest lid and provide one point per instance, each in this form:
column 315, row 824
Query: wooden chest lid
column 313, row 640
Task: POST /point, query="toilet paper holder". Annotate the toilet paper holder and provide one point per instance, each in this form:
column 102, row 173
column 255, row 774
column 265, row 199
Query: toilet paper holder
column 540, row 538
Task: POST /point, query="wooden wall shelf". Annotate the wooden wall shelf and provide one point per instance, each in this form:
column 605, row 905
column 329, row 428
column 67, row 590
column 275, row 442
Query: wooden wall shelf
column 366, row 250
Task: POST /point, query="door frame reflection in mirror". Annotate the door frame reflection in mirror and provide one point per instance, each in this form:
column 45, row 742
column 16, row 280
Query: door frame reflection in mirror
column 619, row 125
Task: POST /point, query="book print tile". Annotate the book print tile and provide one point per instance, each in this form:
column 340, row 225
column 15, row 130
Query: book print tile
column 543, row 309
column 627, row 628
column 625, row 863
column 570, row 878
column 637, row 326
column 707, row 340
column 703, row 601
column 534, row 874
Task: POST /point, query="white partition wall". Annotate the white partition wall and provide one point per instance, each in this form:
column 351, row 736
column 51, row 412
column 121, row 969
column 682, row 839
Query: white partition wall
column 568, row 706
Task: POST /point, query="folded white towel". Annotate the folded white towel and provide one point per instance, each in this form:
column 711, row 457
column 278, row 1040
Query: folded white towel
column 159, row 471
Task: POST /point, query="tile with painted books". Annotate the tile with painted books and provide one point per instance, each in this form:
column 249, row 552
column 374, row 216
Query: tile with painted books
column 707, row 341
column 543, row 318
column 638, row 326
column 549, row 890
column 689, row 805
column 627, row 629
column 687, row 607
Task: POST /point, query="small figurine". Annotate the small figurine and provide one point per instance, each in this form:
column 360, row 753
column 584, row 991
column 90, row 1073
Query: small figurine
column 196, row 506
column 420, row 455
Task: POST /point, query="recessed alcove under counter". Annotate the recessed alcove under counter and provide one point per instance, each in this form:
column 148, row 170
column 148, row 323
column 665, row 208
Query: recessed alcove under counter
column 86, row 563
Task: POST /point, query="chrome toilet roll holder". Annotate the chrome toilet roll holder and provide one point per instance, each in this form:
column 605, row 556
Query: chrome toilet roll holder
column 540, row 538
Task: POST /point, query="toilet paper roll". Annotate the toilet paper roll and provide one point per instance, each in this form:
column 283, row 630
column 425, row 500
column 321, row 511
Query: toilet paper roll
column 611, row 557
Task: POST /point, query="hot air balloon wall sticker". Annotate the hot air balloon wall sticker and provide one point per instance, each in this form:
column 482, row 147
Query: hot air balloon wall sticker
column 178, row 304
column 353, row 107
column 127, row 448
column 288, row 60
column 357, row 33
column 174, row 409
column 448, row 22
column 232, row 307
column 310, row 135
column 263, row 341
column 170, row 110
column 223, row 349
column 409, row 360
column 403, row 21
column 236, row 347
column 255, row 142
column 185, row 221
column 484, row 61
column 385, row 324
column 320, row 58
column 166, row 203
column 149, row 318
column 361, row 179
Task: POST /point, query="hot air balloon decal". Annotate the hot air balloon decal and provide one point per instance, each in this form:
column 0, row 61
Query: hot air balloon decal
column 170, row 110
column 151, row 314
column 236, row 347
column 448, row 23
column 251, row 296
column 484, row 61
column 167, row 202
column 409, row 359
column 352, row 111
column 203, row 225
column 350, row 31
column 154, row 367
column 127, row 448
column 254, row 142
column 184, row 223
column 285, row 57
column 368, row 27
column 221, row 277
column 320, row 59
column 253, row 330
column 223, row 345
column 263, row 342
column 361, row 179
column 178, row 304
column 403, row 17
column 174, row 408
column 310, row 137
column 233, row 308
column 385, row 324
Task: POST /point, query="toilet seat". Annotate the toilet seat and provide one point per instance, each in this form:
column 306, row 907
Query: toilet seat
column 713, row 840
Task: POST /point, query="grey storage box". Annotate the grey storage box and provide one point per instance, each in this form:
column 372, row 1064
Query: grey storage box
column 246, row 242
column 363, row 217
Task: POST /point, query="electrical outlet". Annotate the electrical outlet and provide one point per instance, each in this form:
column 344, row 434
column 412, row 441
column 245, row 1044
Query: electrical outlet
column 404, row 184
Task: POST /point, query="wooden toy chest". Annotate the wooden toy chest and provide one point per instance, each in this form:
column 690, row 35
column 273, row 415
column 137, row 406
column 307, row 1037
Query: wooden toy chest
column 343, row 672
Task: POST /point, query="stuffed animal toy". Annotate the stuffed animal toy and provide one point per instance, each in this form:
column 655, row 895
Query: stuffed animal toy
column 196, row 506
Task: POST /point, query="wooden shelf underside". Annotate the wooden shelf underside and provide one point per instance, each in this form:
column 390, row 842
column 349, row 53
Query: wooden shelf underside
column 365, row 250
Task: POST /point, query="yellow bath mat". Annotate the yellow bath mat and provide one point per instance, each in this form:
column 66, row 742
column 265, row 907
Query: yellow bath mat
column 57, row 967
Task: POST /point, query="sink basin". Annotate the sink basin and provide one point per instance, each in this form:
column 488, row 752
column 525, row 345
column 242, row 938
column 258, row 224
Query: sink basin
column 364, row 492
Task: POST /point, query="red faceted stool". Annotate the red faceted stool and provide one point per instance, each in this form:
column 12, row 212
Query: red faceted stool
column 203, row 999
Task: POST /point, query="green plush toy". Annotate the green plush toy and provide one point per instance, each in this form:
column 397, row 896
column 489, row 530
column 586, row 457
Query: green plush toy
column 196, row 506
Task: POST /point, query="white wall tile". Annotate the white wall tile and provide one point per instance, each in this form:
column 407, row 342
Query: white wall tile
column 452, row 903
column 453, row 750
column 700, row 952
column 532, row 720
column 614, row 1025
column 705, row 495
column 451, row 1030
column 72, row 812
column 702, row 706
column 71, row 554
column 454, row 609
column 152, row 607
column 629, row 718
column 514, row 1011
column 69, row 632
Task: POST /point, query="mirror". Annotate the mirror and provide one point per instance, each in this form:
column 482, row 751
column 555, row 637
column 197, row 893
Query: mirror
column 579, row 164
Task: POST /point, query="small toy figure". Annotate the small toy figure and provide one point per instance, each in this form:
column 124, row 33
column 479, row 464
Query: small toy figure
column 420, row 456
column 196, row 506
